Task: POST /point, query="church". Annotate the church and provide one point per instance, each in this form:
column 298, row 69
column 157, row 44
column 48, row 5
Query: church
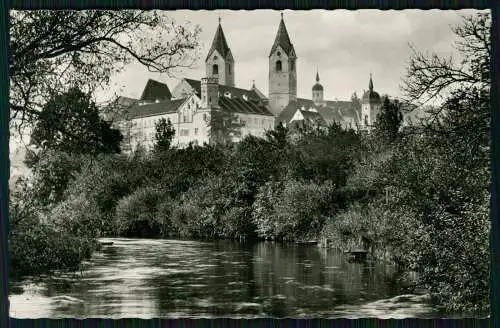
column 191, row 104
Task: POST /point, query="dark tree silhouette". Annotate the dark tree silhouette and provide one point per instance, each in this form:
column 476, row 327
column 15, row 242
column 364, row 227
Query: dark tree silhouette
column 86, row 132
column 164, row 134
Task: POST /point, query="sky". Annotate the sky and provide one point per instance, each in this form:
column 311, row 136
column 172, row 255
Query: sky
column 344, row 46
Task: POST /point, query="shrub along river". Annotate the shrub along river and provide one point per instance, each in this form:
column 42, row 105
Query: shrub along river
column 175, row 278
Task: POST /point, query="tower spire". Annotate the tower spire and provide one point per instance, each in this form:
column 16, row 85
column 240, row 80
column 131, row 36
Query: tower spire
column 370, row 84
column 283, row 40
column 219, row 43
column 317, row 75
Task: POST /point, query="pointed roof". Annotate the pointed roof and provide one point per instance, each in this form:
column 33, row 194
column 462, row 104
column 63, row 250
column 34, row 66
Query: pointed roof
column 155, row 90
column 317, row 86
column 283, row 40
column 220, row 44
column 370, row 95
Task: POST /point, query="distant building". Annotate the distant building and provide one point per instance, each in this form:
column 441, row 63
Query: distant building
column 190, row 104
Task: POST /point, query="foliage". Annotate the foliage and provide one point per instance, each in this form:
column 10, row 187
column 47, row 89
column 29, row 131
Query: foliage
column 36, row 247
column 430, row 77
column 85, row 132
column 179, row 169
column 77, row 216
column 388, row 120
column 292, row 210
column 105, row 181
column 164, row 133
column 324, row 154
column 54, row 50
column 52, row 173
column 136, row 214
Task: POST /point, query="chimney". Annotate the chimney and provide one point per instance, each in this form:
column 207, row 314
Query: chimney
column 209, row 92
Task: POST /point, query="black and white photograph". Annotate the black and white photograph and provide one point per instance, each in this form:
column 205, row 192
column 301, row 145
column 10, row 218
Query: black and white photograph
column 249, row 164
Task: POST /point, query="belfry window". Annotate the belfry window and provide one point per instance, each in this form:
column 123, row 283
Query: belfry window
column 215, row 69
column 291, row 65
column 229, row 69
column 278, row 66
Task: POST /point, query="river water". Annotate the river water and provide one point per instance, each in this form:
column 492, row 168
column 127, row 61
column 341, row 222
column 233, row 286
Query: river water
column 141, row 278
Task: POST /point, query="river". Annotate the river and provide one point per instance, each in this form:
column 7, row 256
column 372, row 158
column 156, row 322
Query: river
column 144, row 278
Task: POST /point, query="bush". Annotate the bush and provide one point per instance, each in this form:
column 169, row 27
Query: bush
column 136, row 214
column 237, row 223
column 39, row 248
column 52, row 174
column 78, row 216
column 104, row 182
column 293, row 210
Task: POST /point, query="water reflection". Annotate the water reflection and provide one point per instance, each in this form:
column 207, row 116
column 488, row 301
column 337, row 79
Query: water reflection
column 172, row 278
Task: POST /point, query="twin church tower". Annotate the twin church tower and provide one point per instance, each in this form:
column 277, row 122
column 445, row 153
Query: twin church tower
column 282, row 67
column 282, row 100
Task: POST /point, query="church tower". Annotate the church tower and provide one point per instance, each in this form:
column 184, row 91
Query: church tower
column 317, row 92
column 219, row 63
column 370, row 107
column 282, row 71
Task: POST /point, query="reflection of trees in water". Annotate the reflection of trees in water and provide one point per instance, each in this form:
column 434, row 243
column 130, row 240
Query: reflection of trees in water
column 224, row 278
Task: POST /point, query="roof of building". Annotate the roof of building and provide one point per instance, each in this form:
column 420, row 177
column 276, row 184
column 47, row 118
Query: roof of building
column 223, row 89
column 220, row 44
column 312, row 116
column 282, row 39
column 238, row 105
column 155, row 90
column 331, row 111
column 232, row 104
column 161, row 107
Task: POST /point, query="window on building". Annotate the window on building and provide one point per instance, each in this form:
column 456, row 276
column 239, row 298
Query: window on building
column 366, row 119
column 185, row 118
column 262, row 122
column 184, row 132
column 256, row 121
column 215, row 69
column 205, row 117
column 229, row 69
column 278, row 66
column 195, row 131
column 279, row 53
column 292, row 64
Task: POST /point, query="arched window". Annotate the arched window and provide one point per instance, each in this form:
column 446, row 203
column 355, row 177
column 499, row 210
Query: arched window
column 278, row 66
column 215, row 69
column 229, row 69
column 366, row 119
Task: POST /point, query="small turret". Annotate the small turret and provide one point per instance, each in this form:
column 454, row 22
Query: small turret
column 317, row 91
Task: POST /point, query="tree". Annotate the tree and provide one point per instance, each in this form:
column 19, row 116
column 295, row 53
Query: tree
column 430, row 77
column 223, row 127
column 53, row 50
column 78, row 115
column 278, row 136
column 164, row 134
column 389, row 120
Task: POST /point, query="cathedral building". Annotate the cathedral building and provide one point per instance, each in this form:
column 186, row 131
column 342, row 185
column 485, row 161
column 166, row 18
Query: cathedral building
column 191, row 104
